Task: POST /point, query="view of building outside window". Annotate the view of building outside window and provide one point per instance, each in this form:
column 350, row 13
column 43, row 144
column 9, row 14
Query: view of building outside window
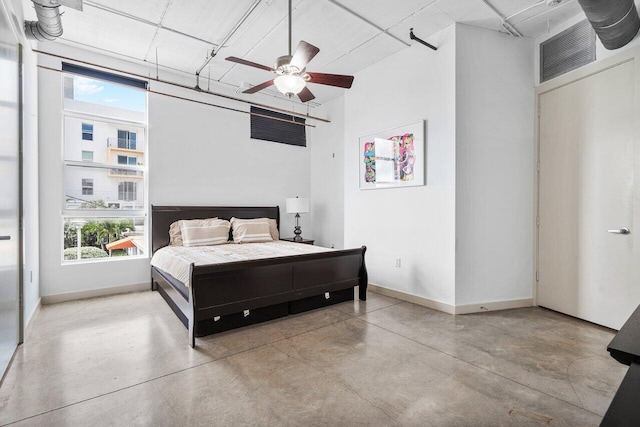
column 105, row 169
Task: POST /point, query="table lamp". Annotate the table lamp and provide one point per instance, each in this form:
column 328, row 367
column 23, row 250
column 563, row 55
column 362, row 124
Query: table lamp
column 297, row 206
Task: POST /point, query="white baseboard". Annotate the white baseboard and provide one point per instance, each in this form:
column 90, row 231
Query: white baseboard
column 448, row 308
column 72, row 296
column 426, row 302
column 36, row 312
column 493, row 306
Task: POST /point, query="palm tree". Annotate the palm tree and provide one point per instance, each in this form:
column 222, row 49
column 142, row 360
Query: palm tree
column 100, row 232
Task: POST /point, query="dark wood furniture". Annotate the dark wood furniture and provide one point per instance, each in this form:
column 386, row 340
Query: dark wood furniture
column 625, row 348
column 303, row 241
column 229, row 295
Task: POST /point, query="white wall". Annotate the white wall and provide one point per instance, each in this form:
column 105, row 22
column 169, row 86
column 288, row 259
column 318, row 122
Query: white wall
column 30, row 203
column 204, row 156
column 197, row 155
column 327, row 177
column 494, row 166
column 415, row 224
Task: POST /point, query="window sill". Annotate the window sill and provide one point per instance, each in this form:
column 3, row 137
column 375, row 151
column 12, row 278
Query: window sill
column 104, row 260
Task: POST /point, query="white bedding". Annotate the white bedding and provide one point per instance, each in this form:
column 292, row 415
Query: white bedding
column 177, row 260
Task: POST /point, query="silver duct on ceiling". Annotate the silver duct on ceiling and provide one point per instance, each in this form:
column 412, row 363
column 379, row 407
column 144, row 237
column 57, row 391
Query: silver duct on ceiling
column 616, row 22
column 49, row 25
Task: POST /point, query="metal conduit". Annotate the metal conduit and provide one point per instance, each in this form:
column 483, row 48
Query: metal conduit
column 144, row 21
column 226, row 39
column 282, row 110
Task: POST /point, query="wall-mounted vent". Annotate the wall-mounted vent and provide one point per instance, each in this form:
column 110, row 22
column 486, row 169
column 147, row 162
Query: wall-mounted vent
column 571, row 49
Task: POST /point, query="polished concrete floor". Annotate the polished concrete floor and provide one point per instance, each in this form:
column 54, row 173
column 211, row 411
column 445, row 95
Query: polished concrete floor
column 124, row 360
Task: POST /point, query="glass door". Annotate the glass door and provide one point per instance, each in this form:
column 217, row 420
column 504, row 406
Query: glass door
column 9, row 193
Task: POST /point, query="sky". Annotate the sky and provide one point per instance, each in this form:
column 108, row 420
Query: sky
column 110, row 94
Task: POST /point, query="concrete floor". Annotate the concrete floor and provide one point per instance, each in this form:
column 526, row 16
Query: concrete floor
column 124, row 360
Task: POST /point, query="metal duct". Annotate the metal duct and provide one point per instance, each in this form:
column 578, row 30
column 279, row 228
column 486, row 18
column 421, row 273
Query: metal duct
column 49, row 25
column 616, row 21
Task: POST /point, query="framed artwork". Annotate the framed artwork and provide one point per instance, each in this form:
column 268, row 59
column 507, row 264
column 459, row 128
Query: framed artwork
column 393, row 158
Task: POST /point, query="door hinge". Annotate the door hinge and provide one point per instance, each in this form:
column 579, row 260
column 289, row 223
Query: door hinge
column 537, row 276
column 538, row 221
column 538, row 166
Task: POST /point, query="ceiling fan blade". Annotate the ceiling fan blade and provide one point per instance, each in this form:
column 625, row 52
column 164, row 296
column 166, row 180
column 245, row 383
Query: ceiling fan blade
column 305, row 95
column 338, row 80
column 249, row 63
column 303, row 54
column 259, row 87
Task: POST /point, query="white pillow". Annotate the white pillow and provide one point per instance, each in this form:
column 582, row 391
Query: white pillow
column 194, row 233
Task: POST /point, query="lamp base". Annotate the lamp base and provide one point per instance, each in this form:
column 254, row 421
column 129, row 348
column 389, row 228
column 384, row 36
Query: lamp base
column 298, row 234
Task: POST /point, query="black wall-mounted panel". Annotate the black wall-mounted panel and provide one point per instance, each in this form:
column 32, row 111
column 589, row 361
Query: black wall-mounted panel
column 292, row 131
column 95, row 74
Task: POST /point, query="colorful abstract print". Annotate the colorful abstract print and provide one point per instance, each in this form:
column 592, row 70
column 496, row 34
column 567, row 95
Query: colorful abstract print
column 404, row 158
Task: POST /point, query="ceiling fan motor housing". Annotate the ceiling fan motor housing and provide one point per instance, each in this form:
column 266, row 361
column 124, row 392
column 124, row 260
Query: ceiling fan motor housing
column 283, row 66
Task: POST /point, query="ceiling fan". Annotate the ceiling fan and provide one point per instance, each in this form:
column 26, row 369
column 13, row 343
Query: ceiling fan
column 292, row 74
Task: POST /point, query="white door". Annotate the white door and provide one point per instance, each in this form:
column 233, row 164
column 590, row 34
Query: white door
column 586, row 196
column 9, row 190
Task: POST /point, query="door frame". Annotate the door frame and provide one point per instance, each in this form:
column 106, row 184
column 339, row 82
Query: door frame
column 630, row 54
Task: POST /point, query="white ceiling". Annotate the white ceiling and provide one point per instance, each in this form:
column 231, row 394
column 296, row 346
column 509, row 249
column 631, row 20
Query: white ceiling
column 351, row 34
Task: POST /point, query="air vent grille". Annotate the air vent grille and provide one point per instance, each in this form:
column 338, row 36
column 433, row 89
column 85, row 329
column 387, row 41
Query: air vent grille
column 571, row 49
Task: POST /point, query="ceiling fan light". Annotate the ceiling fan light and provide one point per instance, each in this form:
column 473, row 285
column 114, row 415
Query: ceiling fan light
column 289, row 84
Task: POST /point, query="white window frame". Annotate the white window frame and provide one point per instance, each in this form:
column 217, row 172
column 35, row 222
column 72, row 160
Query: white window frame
column 97, row 214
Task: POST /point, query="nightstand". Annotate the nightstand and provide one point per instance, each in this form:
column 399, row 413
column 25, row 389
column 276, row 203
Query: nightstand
column 303, row 241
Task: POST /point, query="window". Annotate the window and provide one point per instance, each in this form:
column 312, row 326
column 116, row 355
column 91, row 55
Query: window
column 127, row 160
column 127, row 191
column 87, row 132
column 99, row 205
column 87, row 187
column 126, row 139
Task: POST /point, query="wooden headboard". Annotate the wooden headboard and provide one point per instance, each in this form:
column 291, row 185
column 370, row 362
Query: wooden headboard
column 163, row 216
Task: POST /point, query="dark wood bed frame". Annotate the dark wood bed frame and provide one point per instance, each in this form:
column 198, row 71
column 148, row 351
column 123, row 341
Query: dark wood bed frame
column 230, row 295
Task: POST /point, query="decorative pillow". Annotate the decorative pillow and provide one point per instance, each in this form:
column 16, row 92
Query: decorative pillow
column 251, row 230
column 175, row 235
column 194, row 233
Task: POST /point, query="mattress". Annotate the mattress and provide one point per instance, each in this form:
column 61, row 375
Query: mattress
column 177, row 260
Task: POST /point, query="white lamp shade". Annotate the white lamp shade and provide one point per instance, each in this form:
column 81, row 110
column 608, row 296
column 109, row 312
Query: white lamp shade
column 289, row 84
column 297, row 205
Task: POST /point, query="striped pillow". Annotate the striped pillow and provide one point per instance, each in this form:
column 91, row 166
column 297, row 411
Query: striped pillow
column 175, row 235
column 194, row 233
column 251, row 230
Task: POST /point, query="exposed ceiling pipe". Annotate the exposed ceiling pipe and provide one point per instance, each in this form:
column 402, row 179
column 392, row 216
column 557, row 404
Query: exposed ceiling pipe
column 145, row 21
column 365, row 20
column 503, row 20
column 616, row 22
column 49, row 25
column 226, row 39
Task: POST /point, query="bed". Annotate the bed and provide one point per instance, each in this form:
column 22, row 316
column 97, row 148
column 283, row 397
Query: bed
column 228, row 295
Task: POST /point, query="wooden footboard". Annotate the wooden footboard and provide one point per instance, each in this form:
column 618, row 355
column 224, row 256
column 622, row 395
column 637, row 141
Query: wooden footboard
column 225, row 289
column 260, row 286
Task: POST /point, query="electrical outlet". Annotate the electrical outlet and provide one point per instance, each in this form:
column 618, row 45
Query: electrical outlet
column 398, row 262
